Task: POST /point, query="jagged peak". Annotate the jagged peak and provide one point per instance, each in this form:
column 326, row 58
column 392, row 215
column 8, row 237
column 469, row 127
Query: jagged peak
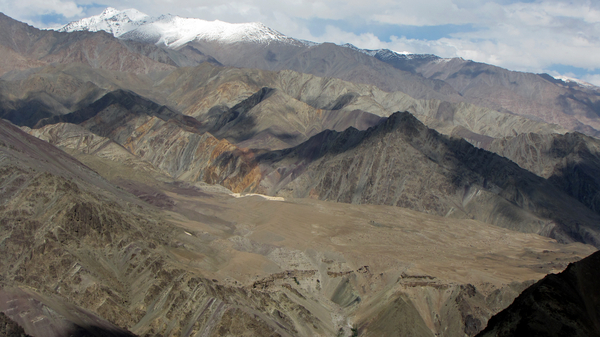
column 109, row 11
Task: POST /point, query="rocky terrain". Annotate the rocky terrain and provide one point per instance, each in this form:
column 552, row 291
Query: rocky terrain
column 80, row 251
column 196, row 260
column 10, row 328
column 300, row 105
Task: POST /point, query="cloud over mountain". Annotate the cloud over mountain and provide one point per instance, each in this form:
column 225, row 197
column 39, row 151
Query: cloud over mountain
column 539, row 36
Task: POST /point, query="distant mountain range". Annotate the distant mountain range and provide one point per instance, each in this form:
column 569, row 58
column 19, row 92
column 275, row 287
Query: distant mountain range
column 537, row 96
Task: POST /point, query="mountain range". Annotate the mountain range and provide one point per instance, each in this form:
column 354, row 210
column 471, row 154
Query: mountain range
column 537, row 96
column 175, row 176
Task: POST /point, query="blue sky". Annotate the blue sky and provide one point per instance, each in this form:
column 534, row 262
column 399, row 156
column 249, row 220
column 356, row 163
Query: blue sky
column 554, row 36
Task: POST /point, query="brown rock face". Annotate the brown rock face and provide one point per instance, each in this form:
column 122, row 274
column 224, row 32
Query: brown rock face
column 192, row 156
column 169, row 141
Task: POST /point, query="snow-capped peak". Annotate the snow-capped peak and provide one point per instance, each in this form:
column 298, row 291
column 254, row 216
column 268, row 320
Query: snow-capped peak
column 567, row 79
column 387, row 54
column 110, row 20
column 174, row 31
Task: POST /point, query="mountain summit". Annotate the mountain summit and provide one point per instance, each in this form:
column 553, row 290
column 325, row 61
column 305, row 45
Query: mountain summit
column 174, row 31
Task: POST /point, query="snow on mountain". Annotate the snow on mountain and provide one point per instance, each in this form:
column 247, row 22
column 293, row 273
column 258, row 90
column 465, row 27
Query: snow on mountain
column 110, row 20
column 174, row 31
column 386, row 54
column 567, row 79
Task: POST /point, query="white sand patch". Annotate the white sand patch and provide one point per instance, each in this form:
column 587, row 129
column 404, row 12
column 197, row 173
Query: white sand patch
column 239, row 195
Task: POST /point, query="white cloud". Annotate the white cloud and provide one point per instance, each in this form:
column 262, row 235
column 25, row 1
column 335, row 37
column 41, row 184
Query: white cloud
column 593, row 79
column 27, row 10
column 521, row 36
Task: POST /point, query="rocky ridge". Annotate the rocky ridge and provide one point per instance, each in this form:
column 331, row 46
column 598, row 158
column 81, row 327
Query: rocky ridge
column 537, row 97
column 558, row 305
column 534, row 96
column 403, row 163
column 470, row 183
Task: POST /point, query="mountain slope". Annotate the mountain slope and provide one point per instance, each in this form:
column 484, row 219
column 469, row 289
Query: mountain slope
column 31, row 47
column 90, row 252
column 172, row 142
column 198, row 90
column 178, row 145
column 203, row 263
column 253, row 45
column 535, row 96
column 326, row 59
column 538, row 97
column 570, row 161
column 558, row 305
column 401, row 162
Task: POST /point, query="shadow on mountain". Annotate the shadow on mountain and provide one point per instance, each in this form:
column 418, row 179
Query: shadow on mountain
column 567, row 100
column 96, row 331
column 342, row 101
column 570, row 162
column 401, row 162
column 531, row 193
column 236, row 124
column 131, row 104
column 27, row 112
column 577, row 173
column 327, row 142
column 40, row 104
column 564, row 304
column 405, row 62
